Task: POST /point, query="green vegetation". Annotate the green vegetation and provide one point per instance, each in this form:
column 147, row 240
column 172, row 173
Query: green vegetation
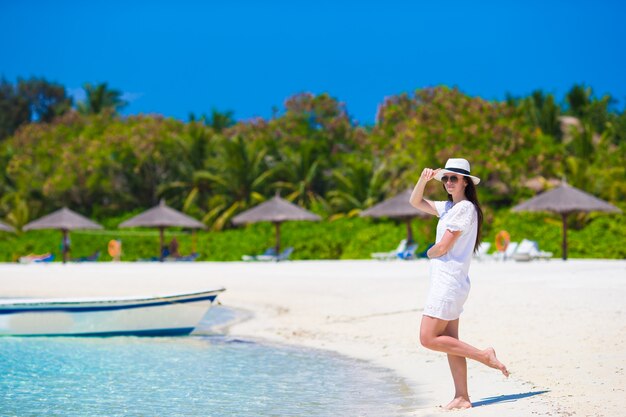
column 109, row 168
column 346, row 238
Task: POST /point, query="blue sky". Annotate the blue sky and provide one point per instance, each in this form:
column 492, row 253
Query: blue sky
column 177, row 57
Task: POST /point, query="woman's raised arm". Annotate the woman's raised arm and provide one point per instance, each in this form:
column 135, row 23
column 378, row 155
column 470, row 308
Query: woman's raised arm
column 417, row 199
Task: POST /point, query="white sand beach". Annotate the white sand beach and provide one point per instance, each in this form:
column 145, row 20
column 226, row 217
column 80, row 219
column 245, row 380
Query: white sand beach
column 560, row 327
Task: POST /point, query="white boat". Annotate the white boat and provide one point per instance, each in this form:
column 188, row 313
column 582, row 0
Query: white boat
column 164, row 315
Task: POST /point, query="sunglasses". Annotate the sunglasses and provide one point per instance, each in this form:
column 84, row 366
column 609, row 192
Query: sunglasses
column 453, row 180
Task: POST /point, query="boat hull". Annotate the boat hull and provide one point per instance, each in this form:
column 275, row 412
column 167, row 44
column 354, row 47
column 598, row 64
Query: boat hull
column 151, row 316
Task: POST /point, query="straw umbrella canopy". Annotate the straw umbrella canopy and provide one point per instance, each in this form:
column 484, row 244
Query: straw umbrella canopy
column 565, row 200
column 64, row 220
column 6, row 228
column 277, row 211
column 397, row 207
column 163, row 216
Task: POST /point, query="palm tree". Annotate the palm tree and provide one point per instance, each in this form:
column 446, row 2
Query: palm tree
column 578, row 99
column 239, row 177
column 220, row 120
column 541, row 110
column 100, row 97
column 14, row 109
column 359, row 184
column 580, row 155
column 583, row 104
column 190, row 195
column 16, row 209
column 300, row 173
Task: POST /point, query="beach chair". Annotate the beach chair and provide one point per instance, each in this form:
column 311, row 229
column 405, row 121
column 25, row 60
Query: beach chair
column 32, row 258
column 91, row 258
column 529, row 250
column 481, row 254
column 408, row 253
column 387, row 256
column 525, row 250
column 268, row 252
column 542, row 254
column 508, row 253
column 283, row 256
column 165, row 253
column 537, row 253
column 183, row 258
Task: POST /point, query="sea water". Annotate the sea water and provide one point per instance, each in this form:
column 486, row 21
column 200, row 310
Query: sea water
column 198, row 375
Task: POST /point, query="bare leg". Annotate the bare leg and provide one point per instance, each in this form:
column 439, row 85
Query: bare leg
column 433, row 336
column 458, row 368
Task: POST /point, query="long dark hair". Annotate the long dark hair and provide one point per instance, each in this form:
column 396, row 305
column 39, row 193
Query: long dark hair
column 471, row 195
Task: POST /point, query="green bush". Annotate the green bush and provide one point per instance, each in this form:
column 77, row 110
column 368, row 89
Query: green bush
column 355, row 238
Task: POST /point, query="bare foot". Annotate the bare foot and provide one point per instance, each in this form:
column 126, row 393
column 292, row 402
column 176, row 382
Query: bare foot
column 459, row 403
column 492, row 361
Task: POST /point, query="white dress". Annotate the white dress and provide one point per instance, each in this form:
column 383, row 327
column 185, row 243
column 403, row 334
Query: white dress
column 449, row 279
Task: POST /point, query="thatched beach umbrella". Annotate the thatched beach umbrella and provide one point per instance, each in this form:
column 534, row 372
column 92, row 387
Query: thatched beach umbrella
column 276, row 210
column 6, row 228
column 163, row 216
column 64, row 220
column 565, row 200
column 397, row 207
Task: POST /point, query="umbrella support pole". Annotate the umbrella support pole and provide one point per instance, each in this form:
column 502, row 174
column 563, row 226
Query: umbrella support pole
column 564, row 244
column 161, row 240
column 409, row 232
column 65, row 248
column 277, row 224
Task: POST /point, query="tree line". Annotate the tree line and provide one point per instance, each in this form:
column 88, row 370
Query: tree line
column 38, row 100
column 85, row 155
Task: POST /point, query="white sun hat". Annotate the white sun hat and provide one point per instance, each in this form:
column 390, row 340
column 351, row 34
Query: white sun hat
column 457, row 166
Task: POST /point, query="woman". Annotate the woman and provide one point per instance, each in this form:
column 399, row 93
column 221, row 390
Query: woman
column 458, row 236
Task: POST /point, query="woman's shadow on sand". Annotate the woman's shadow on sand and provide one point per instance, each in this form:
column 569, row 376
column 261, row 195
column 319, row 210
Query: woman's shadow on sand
column 505, row 398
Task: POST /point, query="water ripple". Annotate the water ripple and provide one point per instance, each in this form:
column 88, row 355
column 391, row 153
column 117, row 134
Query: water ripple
column 188, row 376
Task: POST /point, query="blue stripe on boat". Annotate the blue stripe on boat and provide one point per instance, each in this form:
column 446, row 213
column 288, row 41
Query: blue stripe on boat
column 79, row 309
column 183, row 331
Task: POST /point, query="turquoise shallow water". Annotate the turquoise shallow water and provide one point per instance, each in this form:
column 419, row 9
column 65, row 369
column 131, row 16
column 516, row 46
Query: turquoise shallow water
column 188, row 376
